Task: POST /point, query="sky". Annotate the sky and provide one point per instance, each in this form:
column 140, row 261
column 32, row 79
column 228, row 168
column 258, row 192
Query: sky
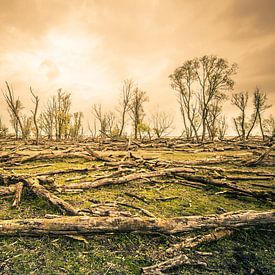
column 88, row 47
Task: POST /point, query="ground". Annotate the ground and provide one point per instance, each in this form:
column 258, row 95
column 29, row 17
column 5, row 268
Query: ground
column 247, row 251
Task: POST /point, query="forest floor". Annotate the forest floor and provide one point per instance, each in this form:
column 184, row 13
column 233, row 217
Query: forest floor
column 249, row 250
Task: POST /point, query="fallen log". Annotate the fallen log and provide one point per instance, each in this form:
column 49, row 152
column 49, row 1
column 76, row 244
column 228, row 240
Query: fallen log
column 84, row 225
column 128, row 178
column 43, row 193
column 98, row 156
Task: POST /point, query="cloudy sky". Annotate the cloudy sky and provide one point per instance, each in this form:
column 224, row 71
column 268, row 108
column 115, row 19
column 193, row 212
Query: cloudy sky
column 88, row 47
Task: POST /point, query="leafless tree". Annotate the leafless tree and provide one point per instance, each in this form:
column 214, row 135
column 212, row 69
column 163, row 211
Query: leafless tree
column 27, row 125
column 240, row 101
column 61, row 108
column 3, row 129
column 46, row 120
column 124, row 103
column 200, row 82
column 161, row 123
column 34, row 113
column 181, row 81
column 101, row 118
column 269, row 126
column 222, row 127
column 14, row 108
column 260, row 105
column 76, row 125
column 136, row 109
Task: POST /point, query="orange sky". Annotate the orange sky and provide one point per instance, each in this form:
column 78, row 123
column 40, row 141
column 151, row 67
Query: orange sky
column 89, row 47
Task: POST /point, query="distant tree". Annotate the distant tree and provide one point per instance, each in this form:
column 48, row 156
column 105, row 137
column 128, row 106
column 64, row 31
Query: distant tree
column 101, row 117
column 46, row 119
column 14, row 108
column 3, row 129
column 200, row 82
column 61, row 110
column 27, row 125
column 222, row 128
column 240, row 100
column 161, row 123
column 125, row 102
column 34, row 113
column 269, row 126
column 136, row 109
column 76, row 125
column 260, row 105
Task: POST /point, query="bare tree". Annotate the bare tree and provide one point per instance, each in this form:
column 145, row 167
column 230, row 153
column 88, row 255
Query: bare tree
column 161, row 123
column 3, row 129
column 76, row 125
column 200, row 82
column 240, row 100
column 61, row 108
column 101, row 118
column 46, row 120
column 27, row 125
column 260, row 105
column 14, row 108
column 34, row 113
column 181, row 81
column 136, row 109
column 269, row 126
column 124, row 103
column 222, row 128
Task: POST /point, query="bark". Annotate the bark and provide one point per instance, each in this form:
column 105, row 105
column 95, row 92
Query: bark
column 74, row 225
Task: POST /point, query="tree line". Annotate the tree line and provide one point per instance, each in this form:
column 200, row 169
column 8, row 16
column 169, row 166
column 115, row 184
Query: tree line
column 202, row 85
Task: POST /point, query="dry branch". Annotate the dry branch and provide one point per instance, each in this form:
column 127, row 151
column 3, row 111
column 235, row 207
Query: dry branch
column 197, row 240
column 43, row 193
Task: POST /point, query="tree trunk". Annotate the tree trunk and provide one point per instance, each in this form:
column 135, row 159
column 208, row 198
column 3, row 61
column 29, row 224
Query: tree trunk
column 74, row 225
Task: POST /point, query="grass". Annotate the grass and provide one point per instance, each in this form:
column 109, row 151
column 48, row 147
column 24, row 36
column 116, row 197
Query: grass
column 247, row 251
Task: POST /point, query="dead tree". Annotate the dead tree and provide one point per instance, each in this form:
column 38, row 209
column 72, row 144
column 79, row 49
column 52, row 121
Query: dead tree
column 181, row 82
column 14, row 108
column 3, row 129
column 240, row 101
column 46, row 120
column 76, row 125
column 205, row 78
column 34, row 113
column 136, row 107
column 161, row 123
column 260, row 105
column 124, row 104
column 61, row 108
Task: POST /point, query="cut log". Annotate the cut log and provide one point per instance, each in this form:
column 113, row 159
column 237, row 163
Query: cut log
column 74, row 225
column 43, row 193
